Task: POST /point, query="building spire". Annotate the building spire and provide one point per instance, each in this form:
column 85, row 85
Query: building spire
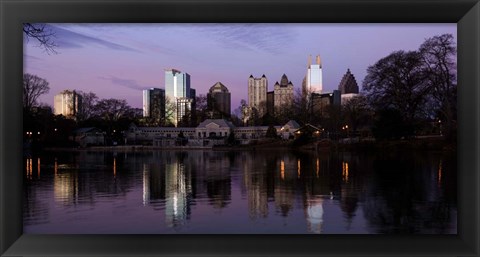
column 319, row 62
column 309, row 61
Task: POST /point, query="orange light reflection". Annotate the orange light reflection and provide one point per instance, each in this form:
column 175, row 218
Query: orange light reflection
column 345, row 171
column 114, row 167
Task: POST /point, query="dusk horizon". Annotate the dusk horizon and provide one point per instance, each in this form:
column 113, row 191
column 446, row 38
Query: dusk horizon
column 121, row 60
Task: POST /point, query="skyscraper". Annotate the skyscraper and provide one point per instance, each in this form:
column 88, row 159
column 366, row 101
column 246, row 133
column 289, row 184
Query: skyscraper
column 348, row 87
column 177, row 86
column 270, row 102
column 154, row 104
column 177, row 83
column 283, row 92
column 67, row 103
column 218, row 100
column 314, row 78
column 257, row 93
column 348, row 84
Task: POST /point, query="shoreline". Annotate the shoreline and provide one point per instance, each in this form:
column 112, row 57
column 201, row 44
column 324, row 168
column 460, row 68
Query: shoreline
column 430, row 144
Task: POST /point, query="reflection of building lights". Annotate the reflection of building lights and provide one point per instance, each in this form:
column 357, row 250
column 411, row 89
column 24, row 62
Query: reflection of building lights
column 38, row 167
column 318, row 167
column 440, row 172
column 55, row 167
column 345, row 171
column 298, row 168
column 29, row 168
column 314, row 215
column 282, row 169
column 146, row 187
column 175, row 204
column 114, row 167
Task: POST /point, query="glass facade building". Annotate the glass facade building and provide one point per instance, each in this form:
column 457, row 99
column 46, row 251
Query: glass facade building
column 154, row 103
column 314, row 78
column 179, row 93
column 177, row 83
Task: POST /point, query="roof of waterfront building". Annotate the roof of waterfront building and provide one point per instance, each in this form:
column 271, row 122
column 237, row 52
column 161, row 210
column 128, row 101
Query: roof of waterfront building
column 86, row 130
column 292, row 124
column 220, row 122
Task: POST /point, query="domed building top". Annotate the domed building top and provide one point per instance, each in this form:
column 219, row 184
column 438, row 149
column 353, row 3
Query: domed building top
column 218, row 87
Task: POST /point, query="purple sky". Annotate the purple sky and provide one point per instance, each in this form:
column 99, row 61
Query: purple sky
column 120, row 60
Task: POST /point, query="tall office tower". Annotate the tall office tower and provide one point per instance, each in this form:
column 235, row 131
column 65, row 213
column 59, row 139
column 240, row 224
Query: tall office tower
column 154, row 104
column 270, row 102
column 348, row 87
column 67, row 103
column 257, row 93
column 283, row 93
column 177, row 86
column 313, row 78
column 348, row 84
column 218, row 100
column 177, row 83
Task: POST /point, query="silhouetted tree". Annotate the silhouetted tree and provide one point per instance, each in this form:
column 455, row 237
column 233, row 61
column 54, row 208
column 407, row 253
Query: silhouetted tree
column 438, row 55
column 357, row 112
column 33, row 87
column 88, row 104
column 271, row 132
column 398, row 82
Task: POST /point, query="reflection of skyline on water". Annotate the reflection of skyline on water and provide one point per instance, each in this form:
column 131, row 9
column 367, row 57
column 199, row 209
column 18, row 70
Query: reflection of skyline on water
column 258, row 192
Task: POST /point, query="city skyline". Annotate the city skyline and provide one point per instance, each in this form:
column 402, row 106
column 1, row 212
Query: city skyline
column 121, row 60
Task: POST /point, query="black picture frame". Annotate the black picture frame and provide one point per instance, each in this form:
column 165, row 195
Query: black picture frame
column 466, row 13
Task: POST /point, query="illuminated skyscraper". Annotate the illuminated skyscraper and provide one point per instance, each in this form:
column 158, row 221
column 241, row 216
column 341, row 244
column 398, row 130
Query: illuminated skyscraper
column 257, row 93
column 177, row 86
column 177, row 83
column 283, row 92
column 313, row 79
column 67, row 103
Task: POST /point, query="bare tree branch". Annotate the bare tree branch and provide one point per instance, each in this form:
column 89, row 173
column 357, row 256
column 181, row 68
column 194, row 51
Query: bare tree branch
column 42, row 34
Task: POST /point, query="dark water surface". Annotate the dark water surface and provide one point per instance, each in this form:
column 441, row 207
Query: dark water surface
column 240, row 192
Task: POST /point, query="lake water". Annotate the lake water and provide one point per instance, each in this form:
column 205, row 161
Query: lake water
column 263, row 191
